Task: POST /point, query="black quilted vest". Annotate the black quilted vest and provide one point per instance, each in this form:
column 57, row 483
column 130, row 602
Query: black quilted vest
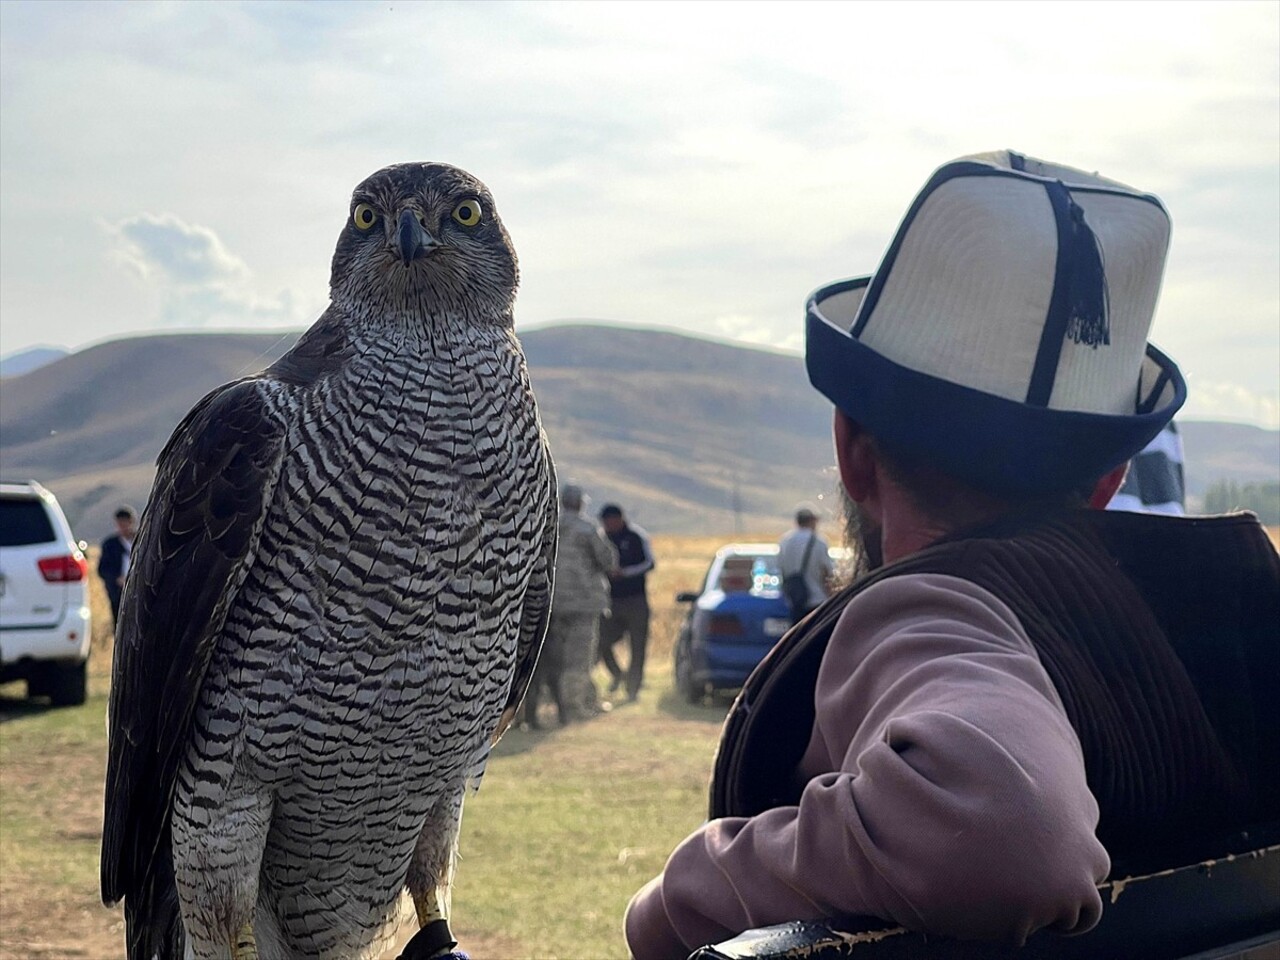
column 1161, row 635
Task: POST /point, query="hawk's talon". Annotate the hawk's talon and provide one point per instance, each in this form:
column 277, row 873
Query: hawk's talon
column 244, row 946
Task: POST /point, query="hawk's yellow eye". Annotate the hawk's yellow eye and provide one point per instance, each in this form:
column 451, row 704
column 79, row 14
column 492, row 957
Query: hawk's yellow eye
column 364, row 216
column 467, row 213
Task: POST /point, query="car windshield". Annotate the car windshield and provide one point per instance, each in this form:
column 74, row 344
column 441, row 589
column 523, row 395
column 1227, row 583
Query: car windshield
column 23, row 522
column 746, row 573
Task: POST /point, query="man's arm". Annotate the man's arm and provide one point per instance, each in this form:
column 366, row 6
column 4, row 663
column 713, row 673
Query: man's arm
column 956, row 802
column 645, row 565
column 605, row 553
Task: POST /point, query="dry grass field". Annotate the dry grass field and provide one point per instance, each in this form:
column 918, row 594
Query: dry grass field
column 567, row 825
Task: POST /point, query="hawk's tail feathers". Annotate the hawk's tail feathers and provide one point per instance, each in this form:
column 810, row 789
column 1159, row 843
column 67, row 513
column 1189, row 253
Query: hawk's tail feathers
column 152, row 917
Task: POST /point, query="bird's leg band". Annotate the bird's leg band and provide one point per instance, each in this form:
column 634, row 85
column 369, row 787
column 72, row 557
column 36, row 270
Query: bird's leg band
column 243, row 945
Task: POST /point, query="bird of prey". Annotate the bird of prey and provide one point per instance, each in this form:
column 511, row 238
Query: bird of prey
column 337, row 597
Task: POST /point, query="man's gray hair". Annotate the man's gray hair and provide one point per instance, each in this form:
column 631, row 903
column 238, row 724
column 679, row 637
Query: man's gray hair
column 571, row 496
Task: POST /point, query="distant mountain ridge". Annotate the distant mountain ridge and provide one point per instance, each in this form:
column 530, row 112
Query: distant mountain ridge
column 689, row 435
column 24, row 361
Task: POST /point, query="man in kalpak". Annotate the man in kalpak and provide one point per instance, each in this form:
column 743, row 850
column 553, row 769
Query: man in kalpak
column 1023, row 693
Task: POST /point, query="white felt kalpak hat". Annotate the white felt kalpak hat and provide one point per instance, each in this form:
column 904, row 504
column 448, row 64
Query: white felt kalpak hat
column 1004, row 336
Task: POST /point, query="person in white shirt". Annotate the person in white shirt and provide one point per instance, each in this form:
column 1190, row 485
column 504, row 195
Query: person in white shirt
column 804, row 557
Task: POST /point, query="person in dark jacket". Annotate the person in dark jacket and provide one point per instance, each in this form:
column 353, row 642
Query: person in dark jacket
column 1023, row 693
column 628, row 613
column 113, row 564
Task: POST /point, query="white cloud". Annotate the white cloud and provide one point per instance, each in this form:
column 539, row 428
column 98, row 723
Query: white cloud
column 197, row 280
column 1218, row 400
column 755, row 330
column 165, row 248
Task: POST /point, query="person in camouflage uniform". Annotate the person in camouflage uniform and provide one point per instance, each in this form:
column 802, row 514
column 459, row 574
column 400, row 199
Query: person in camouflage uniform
column 584, row 562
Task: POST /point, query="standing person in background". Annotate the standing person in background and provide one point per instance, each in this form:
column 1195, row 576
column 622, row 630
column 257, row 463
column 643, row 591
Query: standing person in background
column 585, row 561
column 804, row 560
column 1154, row 483
column 113, row 564
column 629, row 605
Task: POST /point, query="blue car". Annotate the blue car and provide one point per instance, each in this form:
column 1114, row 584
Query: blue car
column 733, row 622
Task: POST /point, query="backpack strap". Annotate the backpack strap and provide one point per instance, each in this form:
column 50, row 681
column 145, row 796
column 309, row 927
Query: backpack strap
column 808, row 552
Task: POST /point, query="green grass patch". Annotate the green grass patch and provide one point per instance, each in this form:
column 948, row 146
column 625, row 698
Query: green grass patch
column 569, row 824
column 52, row 764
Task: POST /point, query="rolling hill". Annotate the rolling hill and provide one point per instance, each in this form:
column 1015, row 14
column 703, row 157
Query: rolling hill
column 688, row 435
column 665, row 424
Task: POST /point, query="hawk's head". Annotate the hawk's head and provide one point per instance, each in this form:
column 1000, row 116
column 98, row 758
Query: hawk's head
column 425, row 239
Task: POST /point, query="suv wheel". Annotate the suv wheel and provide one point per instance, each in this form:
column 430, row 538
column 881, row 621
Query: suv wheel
column 692, row 692
column 67, row 684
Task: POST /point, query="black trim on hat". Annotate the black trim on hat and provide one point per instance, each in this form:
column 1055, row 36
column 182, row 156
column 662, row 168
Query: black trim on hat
column 1148, row 403
column 965, row 168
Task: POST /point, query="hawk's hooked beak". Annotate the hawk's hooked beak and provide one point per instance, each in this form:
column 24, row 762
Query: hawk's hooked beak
column 412, row 239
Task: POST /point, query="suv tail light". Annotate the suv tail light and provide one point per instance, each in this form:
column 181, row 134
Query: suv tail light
column 725, row 625
column 64, row 569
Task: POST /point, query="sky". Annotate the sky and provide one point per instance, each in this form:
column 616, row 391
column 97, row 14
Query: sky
column 697, row 167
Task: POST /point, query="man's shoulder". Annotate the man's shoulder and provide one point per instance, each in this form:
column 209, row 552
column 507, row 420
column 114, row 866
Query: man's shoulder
column 1043, row 562
column 1111, row 532
column 908, row 597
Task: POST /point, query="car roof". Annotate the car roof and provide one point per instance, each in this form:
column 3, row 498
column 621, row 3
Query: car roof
column 24, row 488
column 747, row 549
column 770, row 550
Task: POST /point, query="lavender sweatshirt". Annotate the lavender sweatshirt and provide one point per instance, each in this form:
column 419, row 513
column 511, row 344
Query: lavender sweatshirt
column 945, row 791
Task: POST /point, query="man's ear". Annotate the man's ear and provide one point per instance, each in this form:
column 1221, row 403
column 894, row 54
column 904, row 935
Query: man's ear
column 854, row 458
column 1106, row 488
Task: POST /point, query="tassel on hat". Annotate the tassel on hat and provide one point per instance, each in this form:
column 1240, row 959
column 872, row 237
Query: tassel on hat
column 1087, row 296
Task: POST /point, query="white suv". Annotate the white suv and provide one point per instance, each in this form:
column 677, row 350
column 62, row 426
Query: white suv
column 44, row 596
